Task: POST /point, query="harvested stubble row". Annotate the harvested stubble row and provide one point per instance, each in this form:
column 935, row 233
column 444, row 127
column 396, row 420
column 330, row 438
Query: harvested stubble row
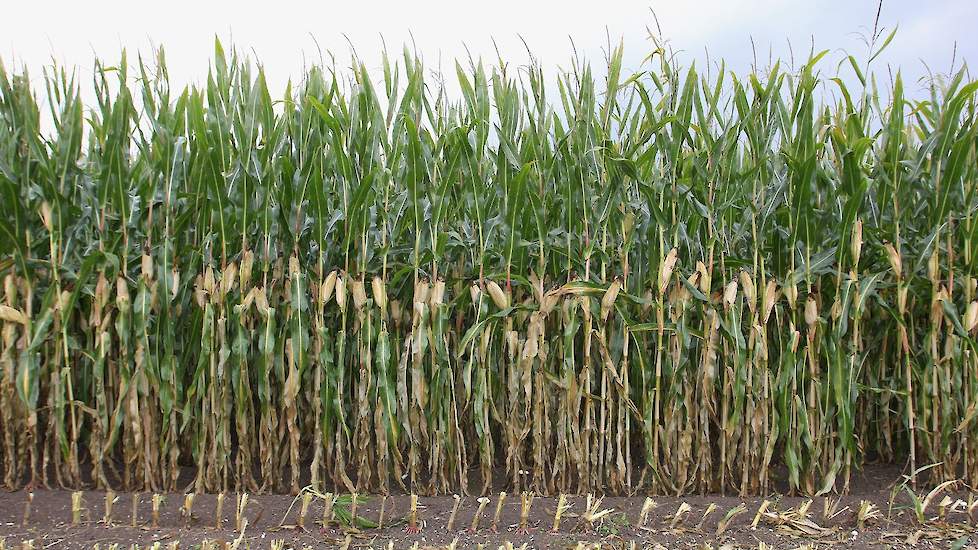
column 666, row 281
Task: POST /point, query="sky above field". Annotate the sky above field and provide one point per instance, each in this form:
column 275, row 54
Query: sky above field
column 287, row 35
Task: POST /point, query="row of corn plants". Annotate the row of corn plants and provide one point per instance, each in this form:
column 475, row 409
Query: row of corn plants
column 667, row 280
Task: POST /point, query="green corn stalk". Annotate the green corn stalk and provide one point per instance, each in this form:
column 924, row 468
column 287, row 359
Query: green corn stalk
column 688, row 273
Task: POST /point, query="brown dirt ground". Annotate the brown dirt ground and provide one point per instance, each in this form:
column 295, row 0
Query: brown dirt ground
column 271, row 518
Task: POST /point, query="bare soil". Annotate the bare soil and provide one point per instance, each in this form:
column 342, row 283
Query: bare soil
column 274, row 517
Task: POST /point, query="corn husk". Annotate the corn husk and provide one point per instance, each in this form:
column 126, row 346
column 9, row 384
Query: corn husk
column 500, row 298
column 730, row 292
column 341, row 292
column 379, row 291
column 12, row 315
column 747, row 283
column 397, row 313
column 770, row 298
column 811, row 311
column 856, row 243
column 531, row 346
column 437, row 296
column 549, row 302
column 537, row 286
column 122, row 293
column 248, row 300
column 791, row 294
column 836, row 310
column 933, row 267
column 937, row 306
column 512, row 343
column 200, row 295
column 10, row 288
column 146, row 266
column 261, row 302
column 65, row 298
column 421, row 292
column 359, row 293
column 896, row 263
column 665, row 269
column 46, row 217
column 971, row 316
column 208, row 283
column 327, row 287
column 247, row 265
column 228, row 278
column 175, row 283
column 706, row 284
column 608, row 300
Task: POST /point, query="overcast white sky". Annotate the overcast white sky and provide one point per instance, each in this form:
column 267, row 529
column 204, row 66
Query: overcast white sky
column 281, row 32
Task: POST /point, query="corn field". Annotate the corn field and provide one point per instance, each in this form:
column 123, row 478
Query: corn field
column 668, row 281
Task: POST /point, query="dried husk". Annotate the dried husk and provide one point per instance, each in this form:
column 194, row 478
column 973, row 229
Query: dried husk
column 341, row 292
column 437, row 296
column 327, row 287
column 730, row 293
column 896, row 263
column 359, row 293
column 12, row 315
column 379, row 291
column 500, row 298
column 608, row 300
column 665, row 269
column 971, row 316
column 811, row 311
